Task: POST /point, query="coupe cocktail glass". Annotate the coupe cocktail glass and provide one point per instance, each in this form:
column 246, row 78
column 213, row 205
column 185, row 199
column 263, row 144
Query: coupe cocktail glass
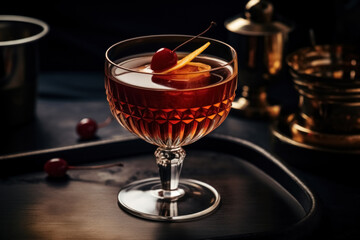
column 169, row 114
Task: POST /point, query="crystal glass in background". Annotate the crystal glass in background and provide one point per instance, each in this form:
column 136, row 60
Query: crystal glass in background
column 169, row 116
column 327, row 80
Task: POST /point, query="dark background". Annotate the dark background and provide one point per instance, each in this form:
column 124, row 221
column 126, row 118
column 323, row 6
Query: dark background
column 80, row 32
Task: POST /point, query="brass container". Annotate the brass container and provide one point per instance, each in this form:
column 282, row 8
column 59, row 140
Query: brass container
column 327, row 79
column 259, row 40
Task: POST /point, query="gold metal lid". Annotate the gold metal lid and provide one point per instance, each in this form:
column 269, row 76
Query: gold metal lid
column 258, row 20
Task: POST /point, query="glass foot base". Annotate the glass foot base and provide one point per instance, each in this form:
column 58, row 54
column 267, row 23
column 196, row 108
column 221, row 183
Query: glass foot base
column 145, row 199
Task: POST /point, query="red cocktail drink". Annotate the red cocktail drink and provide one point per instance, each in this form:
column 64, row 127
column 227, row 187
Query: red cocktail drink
column 156, row 109
column 170, row 104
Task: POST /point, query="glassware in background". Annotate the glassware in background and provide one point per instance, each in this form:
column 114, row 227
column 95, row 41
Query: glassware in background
column 326, row 78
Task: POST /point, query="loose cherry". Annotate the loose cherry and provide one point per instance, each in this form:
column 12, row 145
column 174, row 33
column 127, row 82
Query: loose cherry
column 57, row 167
column 165, row 58
column 87, row 127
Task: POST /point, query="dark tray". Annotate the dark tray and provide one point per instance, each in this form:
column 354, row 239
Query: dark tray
column 261, row 198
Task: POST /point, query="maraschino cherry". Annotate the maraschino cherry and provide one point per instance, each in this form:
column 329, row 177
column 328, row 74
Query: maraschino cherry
column 165, row 58
column 87, row 127
column 58, row 167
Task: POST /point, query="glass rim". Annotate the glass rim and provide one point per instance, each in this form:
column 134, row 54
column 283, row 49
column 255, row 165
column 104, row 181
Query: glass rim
column 228, row 63
column 24, row 20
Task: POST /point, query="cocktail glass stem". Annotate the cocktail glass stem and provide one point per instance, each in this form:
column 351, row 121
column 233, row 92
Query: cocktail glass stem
column 170, row 161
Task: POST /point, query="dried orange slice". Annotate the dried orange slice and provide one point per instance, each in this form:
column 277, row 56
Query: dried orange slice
column 186, row 76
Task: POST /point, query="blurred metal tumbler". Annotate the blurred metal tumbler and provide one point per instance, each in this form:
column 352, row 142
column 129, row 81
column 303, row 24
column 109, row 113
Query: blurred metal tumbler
column 19, row 37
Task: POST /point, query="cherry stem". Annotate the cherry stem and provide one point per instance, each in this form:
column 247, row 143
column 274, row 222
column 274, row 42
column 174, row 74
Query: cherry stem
column 211, row 24
column 106, row 122
column 95, row 166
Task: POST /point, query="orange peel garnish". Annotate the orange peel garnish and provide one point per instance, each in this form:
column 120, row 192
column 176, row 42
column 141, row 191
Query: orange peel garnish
column 187, row 59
